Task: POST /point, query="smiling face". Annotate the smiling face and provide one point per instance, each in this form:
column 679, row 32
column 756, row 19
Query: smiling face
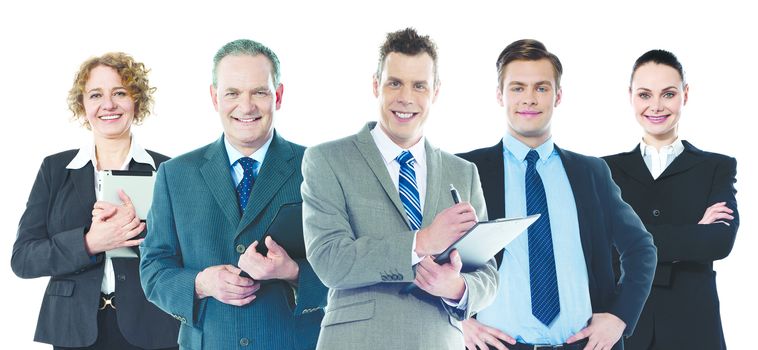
column 529, row 95
column 245, row 98
column 405, row 90
column 657, row 94
column 108, row 107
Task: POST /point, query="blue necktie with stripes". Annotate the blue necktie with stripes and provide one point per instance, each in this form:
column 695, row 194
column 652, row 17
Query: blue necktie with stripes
column 409, row 190
column 248, row 179
column 542, row 277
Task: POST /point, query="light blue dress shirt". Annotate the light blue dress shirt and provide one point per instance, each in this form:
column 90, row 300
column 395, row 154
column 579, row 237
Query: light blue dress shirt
column 511, row 311
column 237, row 172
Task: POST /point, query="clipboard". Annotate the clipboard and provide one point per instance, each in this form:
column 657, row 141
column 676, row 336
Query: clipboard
column 477, row 246
column 138, row 185
column 287, row 230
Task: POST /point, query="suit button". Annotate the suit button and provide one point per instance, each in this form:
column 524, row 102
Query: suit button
column 244, row 342
column 121, row 277
column 240, row 249
column 656, row 212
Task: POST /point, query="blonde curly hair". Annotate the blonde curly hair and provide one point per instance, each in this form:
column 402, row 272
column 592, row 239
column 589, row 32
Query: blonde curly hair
column 133, row 76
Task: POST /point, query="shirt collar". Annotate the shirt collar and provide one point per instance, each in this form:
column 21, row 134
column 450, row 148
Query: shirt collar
column 87, row 153
column 390, row 150
column 674, row 148
column 258, row 155
column 519, row 150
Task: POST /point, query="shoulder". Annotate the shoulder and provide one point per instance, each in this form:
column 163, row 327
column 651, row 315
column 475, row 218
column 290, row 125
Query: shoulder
column 330, row 147
column 578, row 160
column 157, row 157
column 189, row 159
column 60, row 159
column 482, row 154
column 712, row 157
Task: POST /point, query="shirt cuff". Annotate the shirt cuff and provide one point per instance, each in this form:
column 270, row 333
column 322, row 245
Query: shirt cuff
column 415, row 259
column 463, row 303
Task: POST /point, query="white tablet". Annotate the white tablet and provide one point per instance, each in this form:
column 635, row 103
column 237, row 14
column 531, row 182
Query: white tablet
column 138, row 185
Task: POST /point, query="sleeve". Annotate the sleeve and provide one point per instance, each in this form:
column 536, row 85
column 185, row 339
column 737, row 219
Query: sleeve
column 165, row 280
column 38, row 252
column 703, row 243
column 637, row 254
column 481, row 285
column 341, row 260
column 311, row 293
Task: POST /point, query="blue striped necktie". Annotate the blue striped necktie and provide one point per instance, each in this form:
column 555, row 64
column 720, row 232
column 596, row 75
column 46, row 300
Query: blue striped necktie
column 409, row 190
column 248, row 179
column 542, row 276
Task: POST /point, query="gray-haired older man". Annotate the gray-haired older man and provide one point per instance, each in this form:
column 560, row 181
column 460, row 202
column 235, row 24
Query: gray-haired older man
column 211, row 210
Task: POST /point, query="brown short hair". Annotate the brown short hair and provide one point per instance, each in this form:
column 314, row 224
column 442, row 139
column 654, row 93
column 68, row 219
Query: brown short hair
column 527, row 50
column 407, row 41
column 133, row 76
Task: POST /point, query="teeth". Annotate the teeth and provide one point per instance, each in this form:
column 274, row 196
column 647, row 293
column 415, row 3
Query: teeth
column 247, row 120
column 109, row 117
column 403, row 115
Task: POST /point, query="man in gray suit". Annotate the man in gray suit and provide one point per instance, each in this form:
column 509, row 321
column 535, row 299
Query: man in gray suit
column 212, row 208
column 377, row 206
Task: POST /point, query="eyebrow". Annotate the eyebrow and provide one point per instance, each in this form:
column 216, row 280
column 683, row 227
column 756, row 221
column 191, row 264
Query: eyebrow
column 389, row 78
column 672, row 87
column 543, row 82
column 100, row 89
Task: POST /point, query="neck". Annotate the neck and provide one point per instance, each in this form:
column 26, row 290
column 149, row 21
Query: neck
column 111, row 153
column 659, row 141
column 530, row 141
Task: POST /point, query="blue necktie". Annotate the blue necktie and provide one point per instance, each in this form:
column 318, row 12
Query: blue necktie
column 542, row 277
column 409, row 190
column 248, row 179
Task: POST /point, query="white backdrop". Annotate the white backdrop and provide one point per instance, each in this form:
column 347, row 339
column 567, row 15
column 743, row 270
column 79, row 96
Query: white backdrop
column 328, row 52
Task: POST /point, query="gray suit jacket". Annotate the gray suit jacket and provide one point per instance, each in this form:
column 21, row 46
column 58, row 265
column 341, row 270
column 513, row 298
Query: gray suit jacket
column 359, row 243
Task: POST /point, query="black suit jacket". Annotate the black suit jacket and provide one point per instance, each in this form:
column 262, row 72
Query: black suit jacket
column 683, row 301
column 605, row 222
column 50, row 242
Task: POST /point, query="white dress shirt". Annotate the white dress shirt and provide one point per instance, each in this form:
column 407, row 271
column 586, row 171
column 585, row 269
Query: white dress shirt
column 87, row 154
column 658, row 160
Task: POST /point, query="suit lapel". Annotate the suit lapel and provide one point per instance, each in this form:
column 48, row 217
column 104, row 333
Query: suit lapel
column 578, row 178
column 633, row 165
column 689, row 158
column 84, row 183
column 366, row 146
column 275, row 171
column 433, row 183
column 217, row 175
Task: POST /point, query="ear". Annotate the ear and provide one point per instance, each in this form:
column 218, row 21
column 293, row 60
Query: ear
column 499, row 96
column 436, row 90
column 376, row 86
column 558, row 96
column 631, row 98
column 279, row 94
column 214, row 97
column 686, row 93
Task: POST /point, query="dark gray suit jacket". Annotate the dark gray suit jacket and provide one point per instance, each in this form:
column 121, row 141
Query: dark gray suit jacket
column 50, row 242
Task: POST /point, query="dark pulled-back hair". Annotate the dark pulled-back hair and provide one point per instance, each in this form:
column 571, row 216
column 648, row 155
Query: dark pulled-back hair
column 659, row 57
column 527, row 50
column 408, row 42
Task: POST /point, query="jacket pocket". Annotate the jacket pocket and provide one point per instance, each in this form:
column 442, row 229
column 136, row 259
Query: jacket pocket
column 360, row 311
column 64, row 288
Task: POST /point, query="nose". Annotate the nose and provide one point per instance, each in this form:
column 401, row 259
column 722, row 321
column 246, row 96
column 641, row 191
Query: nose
column 655, row 104
column 529, row 98
column 108, row 103
column 404, row 97
column 246, row 105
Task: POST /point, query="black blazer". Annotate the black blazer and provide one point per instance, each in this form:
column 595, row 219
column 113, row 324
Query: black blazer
column 605, row 221
column 50, row 242
column 683, row 301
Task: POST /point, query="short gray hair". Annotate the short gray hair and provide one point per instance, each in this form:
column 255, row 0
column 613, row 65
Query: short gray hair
column 247, row 47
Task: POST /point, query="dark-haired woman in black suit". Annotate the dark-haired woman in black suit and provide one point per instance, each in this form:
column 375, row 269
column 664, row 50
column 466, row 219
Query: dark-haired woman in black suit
column 686, row 199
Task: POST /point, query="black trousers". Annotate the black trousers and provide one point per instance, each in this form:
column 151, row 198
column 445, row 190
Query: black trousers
column 109, row 336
